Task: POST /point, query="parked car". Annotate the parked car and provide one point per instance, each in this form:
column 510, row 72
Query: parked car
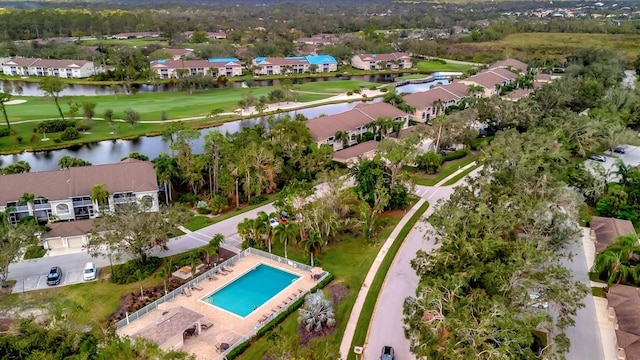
column 599, row 158
column 619, row 150
column 273, row 222
column 90, row 272
column 55, row 276
column 387, row 353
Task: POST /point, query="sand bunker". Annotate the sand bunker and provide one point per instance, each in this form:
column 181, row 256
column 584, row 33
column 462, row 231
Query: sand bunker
column 15, row 102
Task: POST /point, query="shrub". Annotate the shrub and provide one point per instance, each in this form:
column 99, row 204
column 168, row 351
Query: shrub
column 57, row 140
column 34, row 138
column 34, row 252
column 126, row 273
column 384, row 89
column 373, row 87
column 258, row 199
column 19, row 138
column 459, row 154
column 349, row 93
column 70, row 133
column 58, row 125
column 357, row 91
column 187, row 198
column 83, row 126
column 218, row 204
column 164, row 116
column 203, row 211
column 4, row 132
column 429, row 162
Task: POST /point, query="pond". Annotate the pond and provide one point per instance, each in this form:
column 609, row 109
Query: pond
column 24, row 88
column 111, row 151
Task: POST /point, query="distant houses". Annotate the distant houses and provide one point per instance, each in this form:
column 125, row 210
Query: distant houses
column 294, row 64
column 136, row 35
column 48, row 67
column 178, row 54
column 167, row 69
column 396, row 60
column 210, row 34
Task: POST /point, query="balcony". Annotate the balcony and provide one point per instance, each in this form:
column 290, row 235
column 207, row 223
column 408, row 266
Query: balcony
column 77, row 203
column 42, row 206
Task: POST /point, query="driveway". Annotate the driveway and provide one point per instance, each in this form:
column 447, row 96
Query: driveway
column 70, row 275
column 630, row 157
column 387, row 326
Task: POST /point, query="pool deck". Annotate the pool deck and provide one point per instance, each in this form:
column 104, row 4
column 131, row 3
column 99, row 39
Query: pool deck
column 203, row 346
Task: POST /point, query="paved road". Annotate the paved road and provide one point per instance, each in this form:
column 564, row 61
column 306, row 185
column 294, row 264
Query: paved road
column 585, row 335
column 386, row 325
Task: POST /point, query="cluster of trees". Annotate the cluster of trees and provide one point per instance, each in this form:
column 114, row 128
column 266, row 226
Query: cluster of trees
column 619, row 262
column 504, row 235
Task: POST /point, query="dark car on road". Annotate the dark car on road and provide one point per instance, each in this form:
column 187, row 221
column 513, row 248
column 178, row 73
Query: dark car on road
column 387, row 353
column 598, row 158
column 55, row 276
column 619, row 150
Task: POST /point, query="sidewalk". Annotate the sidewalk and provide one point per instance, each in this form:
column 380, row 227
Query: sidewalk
column 347, row 339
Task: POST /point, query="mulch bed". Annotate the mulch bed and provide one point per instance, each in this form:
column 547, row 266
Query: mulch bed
column 5, row 324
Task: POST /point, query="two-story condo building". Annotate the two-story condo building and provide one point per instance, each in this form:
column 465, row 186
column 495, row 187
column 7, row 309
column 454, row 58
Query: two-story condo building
column 66, row 194
column 353, row 122
column 215, row 67
column 433, row 102
column 46, row 67
column 396, row 60
column 490, row 80
column 294, row 64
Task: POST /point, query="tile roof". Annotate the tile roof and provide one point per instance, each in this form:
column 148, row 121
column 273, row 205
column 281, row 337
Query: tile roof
column 174, row 322
column 609, row 229
column 383, row 57
column 457, row 88
column 363, row 114
column 518, row 94
column 510, row 63
column 129, row 175
column 625, row 300
column 188, row 64
column 68, row 228
column 356, row 150
column 45, row 63
column 20, row 61
column 424, row 99
column 488, row 79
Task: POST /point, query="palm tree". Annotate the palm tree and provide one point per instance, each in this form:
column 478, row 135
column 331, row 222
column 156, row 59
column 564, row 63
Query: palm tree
column 100, row 195
column 312, row 244
column 165, row 272
column 27, row 199
column 214, row 246
column 194, row 260
column 623, row 171
column 620, row 261
column 285, row 232
column 317, row 312
column 264, row 226
column 439, row 120
column 342, row 136
column 166, row 170
column 4, row 97
column 260, row 108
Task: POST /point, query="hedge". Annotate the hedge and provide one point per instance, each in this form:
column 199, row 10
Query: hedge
column 456, row 155
column 52, row 126
column 238, row 350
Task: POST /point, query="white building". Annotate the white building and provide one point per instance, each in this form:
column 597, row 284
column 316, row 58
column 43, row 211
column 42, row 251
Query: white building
column 46, row 67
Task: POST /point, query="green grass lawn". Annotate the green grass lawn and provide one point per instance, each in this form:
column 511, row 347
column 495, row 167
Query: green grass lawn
column 446, row 169
column 200, row 221
column 349, row 261
column 364, row 321
column 128, row 42
column 429, row 66
column 464, row 173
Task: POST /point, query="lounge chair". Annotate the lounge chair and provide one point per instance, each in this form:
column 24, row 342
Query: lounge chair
column 186, row 292
column 196, row 286
column 222, row 272
column 206, row 326
column 300, row 291
column 212, row 277
column 226, row 268
column 263, row 319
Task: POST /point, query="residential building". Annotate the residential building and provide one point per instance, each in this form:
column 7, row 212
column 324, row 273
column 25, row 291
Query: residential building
column 294, row 64
column 605, row 230
column 431, row 103
column 491, row 80
column 517, row 94
column 136, row 35
column 66, row 194
column 510, row 64
column 353, row 122
column 319, row 39
column 623, row 307
column 352, row 155
column 215, row 67
column 178, row 54
column 19, row 66
column 210, row 34
column 396, row 60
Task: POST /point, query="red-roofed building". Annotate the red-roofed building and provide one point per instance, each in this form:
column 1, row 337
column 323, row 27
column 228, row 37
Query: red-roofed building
column 490, row 80
column 396, row 60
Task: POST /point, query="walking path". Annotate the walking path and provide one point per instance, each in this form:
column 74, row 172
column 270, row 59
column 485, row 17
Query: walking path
column 349, row 332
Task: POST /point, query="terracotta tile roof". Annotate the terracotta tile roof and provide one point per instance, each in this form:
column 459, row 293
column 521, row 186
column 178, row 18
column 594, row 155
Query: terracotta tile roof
column 457, row 88
column 356, row 150
column 129, row 175
column 609, row 229
column 20, row 61
column 174, row 322
column 190, row 64
column 507, row 74
column 510, row 63
column 543, row 77
column 518, row 94
column 425, row 99
column 326, row 126
column 384, row 57
column 68, row 228
column 625, row 300
column 46, row 63
column 489, row 78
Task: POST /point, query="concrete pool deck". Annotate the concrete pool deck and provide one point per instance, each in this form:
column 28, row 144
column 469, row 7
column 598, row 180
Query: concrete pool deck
column 204, row 345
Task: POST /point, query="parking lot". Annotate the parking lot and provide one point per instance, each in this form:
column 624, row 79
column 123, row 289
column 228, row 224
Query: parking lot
column 630, row 157
column 39, row 282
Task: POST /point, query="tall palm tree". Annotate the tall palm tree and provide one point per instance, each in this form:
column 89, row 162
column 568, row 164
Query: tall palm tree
column 342, row 136
column 27, row 199
column 620, row 261
column 285, row 232
column 312, row 244
column 5, row 97
column 100, row 195
column 165, row 272
column 213, row 247
column 623, row 171
column 439, row 120
column 265, row 227
column 166, row 170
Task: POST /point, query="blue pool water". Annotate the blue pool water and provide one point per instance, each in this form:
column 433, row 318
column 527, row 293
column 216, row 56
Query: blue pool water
column 251, row 290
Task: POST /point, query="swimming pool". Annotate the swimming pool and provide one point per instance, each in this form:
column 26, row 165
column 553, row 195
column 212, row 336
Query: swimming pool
column 246, row 293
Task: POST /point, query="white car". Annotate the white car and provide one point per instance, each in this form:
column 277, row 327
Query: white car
column 273, row 222
column 90, row 272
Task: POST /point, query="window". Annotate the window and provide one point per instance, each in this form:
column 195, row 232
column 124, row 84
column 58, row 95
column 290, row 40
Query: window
column 62, row 209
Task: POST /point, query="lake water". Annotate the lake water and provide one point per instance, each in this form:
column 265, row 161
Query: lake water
column 111, row 151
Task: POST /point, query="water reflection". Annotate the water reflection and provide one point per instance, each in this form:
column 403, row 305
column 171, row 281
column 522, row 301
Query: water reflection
column 110, row 151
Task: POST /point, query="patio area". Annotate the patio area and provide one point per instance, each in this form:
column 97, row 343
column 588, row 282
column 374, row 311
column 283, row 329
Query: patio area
column 211, row 329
